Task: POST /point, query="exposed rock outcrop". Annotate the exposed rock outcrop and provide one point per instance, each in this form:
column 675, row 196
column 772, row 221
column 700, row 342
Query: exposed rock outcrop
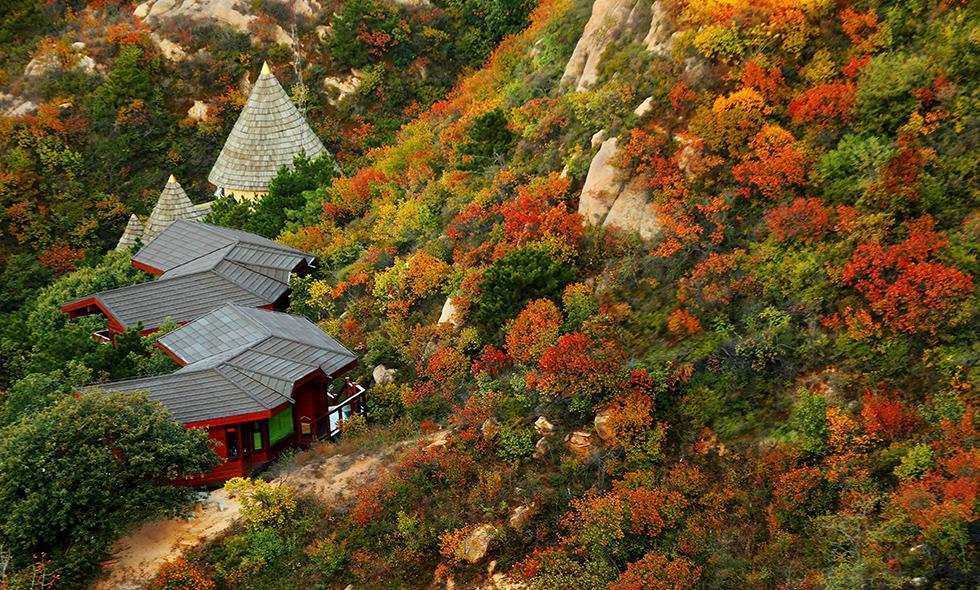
column 611, row 20
column 603, row 427
column 198, row 111
column 168, row 48
column 660, row 37
column 15, row 106
column 45, row 63
column 540, row 448
column 343, row 86
column 581, row 444
column 449, row 314
column 234, row 13
column 520, row 516
column 610, row 201
column 543, row 427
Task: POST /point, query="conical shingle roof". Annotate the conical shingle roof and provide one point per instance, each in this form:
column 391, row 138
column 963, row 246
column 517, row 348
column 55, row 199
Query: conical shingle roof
column 269, row 133
column 134, row 230
column 172, row 205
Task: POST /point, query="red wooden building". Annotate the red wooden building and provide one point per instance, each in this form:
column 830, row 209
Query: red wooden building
column 260, row 381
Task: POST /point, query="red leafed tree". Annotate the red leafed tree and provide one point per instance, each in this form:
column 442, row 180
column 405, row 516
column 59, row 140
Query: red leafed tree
column 887, row 417
column 824, row 104
column 538, row 212
column 904, row 285
column 775, row 164
column 534, row 330
column 767, row 82
column 803, row 219
column 656, row 572
column 578, row 365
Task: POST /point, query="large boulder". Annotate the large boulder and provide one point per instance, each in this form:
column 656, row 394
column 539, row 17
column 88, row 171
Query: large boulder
column 198, row 111
column 581, row 444
column 541, row 448
column 602, row 184
column 449, row 314
column 520, row 516
column 543, row 427
column 47, row 62
column 383, row 375
column 474, row 546
column 609, row 200
column 603, row 426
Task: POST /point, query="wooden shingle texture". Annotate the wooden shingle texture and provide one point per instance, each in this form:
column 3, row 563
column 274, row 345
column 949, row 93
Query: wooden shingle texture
column 172, row 205
column 134, row 231
column 269, row 133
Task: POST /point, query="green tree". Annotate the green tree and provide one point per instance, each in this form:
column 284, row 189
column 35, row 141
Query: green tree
column 810, row 422
column 520, row 276
column 286, row 193
column 488, row 140
column 74, row 474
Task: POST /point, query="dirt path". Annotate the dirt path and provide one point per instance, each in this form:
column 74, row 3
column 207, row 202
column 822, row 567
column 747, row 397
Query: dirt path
column 137, row 557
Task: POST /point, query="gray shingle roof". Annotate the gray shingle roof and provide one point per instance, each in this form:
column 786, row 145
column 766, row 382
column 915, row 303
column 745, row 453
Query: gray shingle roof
column 240, row 361
column 269, row 133
column 203, row 267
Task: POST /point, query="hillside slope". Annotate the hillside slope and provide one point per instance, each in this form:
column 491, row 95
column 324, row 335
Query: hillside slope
column 774, row 389
column 691, row 283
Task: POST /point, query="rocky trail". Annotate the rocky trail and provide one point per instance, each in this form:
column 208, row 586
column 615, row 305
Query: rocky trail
column 137, row 556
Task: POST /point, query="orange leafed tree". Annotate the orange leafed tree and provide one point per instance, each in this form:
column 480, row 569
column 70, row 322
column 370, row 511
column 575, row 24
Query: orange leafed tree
column 776, row 163
column 535, row 329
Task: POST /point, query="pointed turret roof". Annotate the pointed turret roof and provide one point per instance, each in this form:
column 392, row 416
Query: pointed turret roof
column 269, row 133
column 172, row 205
column 134, row 230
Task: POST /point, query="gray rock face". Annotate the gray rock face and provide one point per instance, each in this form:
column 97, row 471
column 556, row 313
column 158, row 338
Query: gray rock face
column 660, row 38
column 383, row 375
column 610, row 201
column 15, row 106
column 449, row 314
column 42, row 64
column 233, row 13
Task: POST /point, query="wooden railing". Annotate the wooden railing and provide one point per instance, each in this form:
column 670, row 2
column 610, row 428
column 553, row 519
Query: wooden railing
column 355, row 402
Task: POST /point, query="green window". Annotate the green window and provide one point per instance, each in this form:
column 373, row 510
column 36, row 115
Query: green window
column 257, row 435
column 281, row 425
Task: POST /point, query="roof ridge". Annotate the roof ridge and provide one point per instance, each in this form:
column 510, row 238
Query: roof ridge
column 247, row 392
column 190, row 260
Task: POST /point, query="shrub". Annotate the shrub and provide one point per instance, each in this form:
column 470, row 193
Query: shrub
column 656, row 572
column 264, row 505
column 915, row 463
column 516, row 443
column 179, row 574
column 385, row 403
column 810, row 422
column 487, row 141
column 535, row 329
